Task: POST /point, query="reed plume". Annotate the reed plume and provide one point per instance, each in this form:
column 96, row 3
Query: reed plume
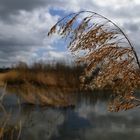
column 101, row 44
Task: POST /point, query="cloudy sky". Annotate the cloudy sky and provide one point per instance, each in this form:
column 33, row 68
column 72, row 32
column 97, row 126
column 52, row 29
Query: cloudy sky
column 24, row 25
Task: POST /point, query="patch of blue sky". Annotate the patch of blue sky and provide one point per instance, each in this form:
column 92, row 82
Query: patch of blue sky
column 58, row 12
column 60, row 46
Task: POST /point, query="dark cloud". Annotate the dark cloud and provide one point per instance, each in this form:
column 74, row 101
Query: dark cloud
column 12, row 7
column 22, row 33
column 8, row 7
column 21, row 4
column 13, row 42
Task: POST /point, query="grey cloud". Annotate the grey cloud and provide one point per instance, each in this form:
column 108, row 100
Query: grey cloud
column 13, row 7
column 10, row 54
column 13, row 42
column 19, row 40
column 131, row 26
column 8, row 7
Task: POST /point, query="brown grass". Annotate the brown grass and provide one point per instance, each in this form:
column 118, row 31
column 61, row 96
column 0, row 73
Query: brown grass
column 101, row 44
column 59, row 75
column 44, row 84
column 105, row 49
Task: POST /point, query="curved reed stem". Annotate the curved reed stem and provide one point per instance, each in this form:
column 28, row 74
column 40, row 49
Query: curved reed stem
column 110, row 21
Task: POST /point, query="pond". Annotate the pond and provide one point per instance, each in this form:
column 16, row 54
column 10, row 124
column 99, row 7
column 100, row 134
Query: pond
column 88, row 119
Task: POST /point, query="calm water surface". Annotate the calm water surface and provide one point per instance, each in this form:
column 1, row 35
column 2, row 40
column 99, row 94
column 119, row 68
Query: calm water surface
column 89, row 119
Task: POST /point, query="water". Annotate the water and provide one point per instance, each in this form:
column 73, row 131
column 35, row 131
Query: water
column 89, row 119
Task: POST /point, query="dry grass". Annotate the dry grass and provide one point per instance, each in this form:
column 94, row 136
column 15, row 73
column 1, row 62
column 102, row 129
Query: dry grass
column 59, row 75
column 2, row 76
column 101, row 44
column 44, row 84
column 105, row 48
column 7, row 130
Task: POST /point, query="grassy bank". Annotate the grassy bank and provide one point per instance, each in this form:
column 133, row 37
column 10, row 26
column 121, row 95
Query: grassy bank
column 46, row 84
column 58, row 75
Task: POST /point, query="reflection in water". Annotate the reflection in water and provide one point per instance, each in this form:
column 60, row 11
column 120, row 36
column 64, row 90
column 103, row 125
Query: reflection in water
column 89, row 119
column 40, row 123
column 43, row 95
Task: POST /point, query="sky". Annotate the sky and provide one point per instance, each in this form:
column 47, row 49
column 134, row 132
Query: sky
column 24, row 25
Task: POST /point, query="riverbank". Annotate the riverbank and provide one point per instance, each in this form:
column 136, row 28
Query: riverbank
column 59, row 75
column 2, row 75
column 45, row 84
